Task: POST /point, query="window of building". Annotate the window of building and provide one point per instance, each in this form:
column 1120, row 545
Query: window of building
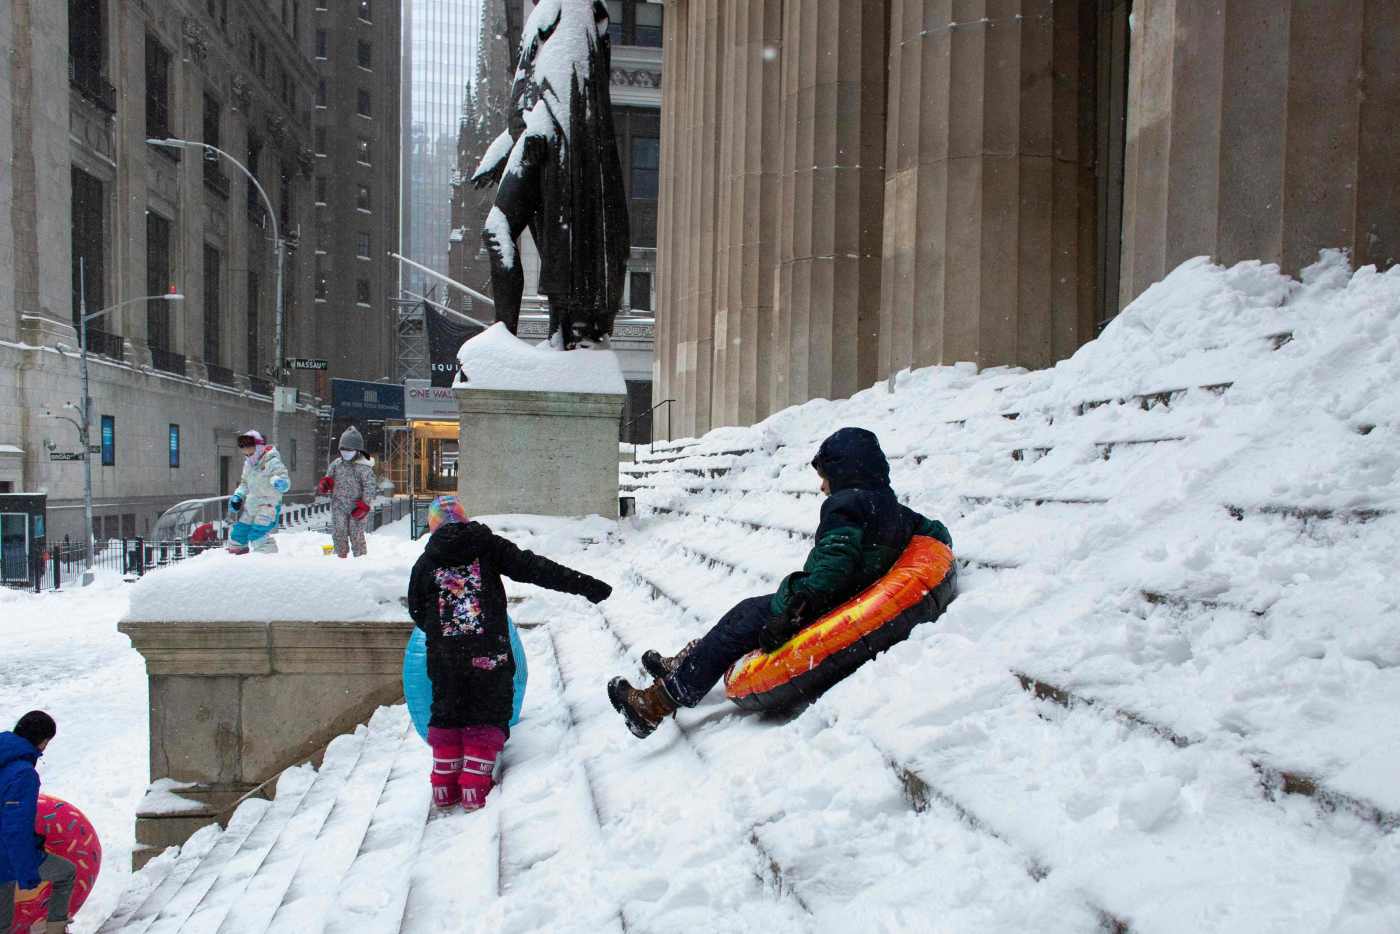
column 213, row 300
column 321, row 5
column 254, row 200
column 364, row 54
column 320, row 140
column 362, row 103
column 639, row 144
column 321, row 184
column 322, row 93
column 323, row 44
column 213, row 172
column 158, row 331
column 174, row 445
column 366, row 11
column 289, row 94
column 286, row 197
column 89, row 208
column 109, row 441
column 362, row 199
column 87, row 50
column 157, row 89
column 362, row 291
column 362, row 151
column 362, row 245
column 323, row 285
column 635, row 22
column 640, row 299
column 251, row 331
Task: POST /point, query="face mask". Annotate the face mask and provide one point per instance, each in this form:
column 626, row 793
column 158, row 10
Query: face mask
column 349, row 455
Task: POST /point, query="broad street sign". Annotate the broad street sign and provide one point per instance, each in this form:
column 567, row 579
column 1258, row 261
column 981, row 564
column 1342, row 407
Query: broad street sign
column 67, row 455
column 307, row 363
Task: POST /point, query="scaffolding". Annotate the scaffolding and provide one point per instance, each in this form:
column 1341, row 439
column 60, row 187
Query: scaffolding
column 412, row 334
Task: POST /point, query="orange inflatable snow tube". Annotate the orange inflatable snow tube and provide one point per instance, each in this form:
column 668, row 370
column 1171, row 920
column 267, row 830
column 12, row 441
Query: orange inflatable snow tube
column 917, row 589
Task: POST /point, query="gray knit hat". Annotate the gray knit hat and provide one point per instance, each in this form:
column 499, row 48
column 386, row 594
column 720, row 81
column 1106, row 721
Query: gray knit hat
column 351, row 440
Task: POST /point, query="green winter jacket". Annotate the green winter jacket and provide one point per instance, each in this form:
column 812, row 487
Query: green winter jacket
column 862, row 532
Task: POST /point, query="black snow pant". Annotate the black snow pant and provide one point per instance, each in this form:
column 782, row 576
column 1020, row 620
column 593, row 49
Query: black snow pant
column 734, row 636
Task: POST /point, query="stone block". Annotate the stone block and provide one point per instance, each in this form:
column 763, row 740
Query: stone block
column 234, row 704
column 545, row 453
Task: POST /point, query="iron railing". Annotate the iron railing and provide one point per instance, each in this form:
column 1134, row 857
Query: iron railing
column 168, row 361
column 220, row 374
column 651, row 428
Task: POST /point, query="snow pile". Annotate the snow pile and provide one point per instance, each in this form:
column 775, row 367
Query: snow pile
column 497, row 359
column 301, row 582
column 1187, row 531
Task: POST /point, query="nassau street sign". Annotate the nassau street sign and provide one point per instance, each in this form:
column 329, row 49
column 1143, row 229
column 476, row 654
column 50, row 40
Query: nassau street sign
column 307, row 363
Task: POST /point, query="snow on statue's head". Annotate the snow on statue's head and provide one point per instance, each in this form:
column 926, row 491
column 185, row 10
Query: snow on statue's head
column 555, row 46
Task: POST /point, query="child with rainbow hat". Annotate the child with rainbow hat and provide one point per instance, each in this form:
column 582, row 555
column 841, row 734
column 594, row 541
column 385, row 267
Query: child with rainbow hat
column 455, row 595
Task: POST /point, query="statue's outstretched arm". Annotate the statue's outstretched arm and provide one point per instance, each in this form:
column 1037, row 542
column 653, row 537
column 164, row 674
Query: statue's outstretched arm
column 493, row 163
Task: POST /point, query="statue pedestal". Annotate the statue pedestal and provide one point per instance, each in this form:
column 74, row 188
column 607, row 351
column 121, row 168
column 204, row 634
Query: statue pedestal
column 543, row 453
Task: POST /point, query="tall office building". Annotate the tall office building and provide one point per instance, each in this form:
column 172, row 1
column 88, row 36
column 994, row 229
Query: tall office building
column 355, row 50
column 439, row 60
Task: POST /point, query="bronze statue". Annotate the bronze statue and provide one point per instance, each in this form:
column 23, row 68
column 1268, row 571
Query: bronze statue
column 559, row 175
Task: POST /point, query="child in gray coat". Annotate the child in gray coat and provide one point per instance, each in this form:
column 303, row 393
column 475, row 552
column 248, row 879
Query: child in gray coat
column 350, row 482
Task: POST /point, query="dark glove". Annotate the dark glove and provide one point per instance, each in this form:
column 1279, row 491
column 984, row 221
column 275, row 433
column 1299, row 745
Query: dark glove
column 780, row 629
column 360, row 511
column 235, row 505
column 594, row 590
column 326, row 486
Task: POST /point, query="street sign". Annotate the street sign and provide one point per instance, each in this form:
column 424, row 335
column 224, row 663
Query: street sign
column 67, row 455
column 284, row 398
column 307, row 363
column 94, row 449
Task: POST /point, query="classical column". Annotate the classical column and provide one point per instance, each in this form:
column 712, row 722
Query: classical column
column 692, row 105
column 989, row 195
column 750, row 141
column 669, row 235
column 1260, row 129
column 825, row 340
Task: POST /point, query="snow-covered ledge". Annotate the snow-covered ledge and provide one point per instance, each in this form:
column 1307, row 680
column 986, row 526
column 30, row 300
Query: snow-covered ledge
column 538, row 428
column 238, row 694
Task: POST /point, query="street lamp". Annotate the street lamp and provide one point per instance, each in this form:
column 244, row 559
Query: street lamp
column 85, row 408
column 278, row 373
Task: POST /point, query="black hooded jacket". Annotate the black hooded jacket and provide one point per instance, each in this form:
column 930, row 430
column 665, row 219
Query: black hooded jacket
column 863, row 528
column 455, row 595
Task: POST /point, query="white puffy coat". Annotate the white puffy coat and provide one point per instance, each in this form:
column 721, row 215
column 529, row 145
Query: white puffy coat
column 264, row 482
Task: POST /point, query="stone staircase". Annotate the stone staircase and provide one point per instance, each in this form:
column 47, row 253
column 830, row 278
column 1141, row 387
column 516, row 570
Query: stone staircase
column 743, row 808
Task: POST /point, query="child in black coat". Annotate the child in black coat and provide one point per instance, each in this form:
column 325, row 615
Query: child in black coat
column 455, row 595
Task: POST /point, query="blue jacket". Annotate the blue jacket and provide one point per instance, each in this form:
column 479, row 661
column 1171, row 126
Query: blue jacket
column 20, row 852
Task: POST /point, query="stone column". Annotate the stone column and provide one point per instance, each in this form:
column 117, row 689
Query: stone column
column 989, row 196
column 750, row 141
column 1260, row 129
column 825, row 341
column 669, row 233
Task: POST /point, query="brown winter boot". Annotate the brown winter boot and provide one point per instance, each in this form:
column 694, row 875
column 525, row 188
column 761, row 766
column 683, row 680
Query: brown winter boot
column 643, row 708
column 659, row 666
column 56, row 927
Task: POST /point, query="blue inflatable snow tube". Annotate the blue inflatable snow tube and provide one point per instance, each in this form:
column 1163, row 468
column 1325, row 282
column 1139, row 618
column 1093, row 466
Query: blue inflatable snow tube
column 418, row 689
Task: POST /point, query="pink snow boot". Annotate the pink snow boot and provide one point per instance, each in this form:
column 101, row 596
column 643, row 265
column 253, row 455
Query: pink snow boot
column 447, row 765
column 480, row 747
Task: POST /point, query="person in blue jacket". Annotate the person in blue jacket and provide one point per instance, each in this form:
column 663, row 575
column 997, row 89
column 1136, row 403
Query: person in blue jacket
column 22, row 857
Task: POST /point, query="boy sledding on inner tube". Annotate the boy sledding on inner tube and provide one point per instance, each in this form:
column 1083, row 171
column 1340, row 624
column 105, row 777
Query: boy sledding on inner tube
column 862, row 532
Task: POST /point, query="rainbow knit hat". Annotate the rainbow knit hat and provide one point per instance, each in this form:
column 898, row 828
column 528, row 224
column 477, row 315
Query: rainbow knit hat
column 445, row 509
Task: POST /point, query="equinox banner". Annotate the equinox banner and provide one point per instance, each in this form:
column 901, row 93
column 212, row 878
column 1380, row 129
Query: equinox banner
column 446, row 334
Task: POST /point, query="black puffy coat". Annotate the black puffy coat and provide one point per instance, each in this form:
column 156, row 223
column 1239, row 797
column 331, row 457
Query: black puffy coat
column 455, row 595
column 863, row 528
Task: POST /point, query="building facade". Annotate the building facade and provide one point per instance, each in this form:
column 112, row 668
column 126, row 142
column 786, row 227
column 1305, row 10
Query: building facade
column 172, row 383
column 355, row 135
column 850, row 188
